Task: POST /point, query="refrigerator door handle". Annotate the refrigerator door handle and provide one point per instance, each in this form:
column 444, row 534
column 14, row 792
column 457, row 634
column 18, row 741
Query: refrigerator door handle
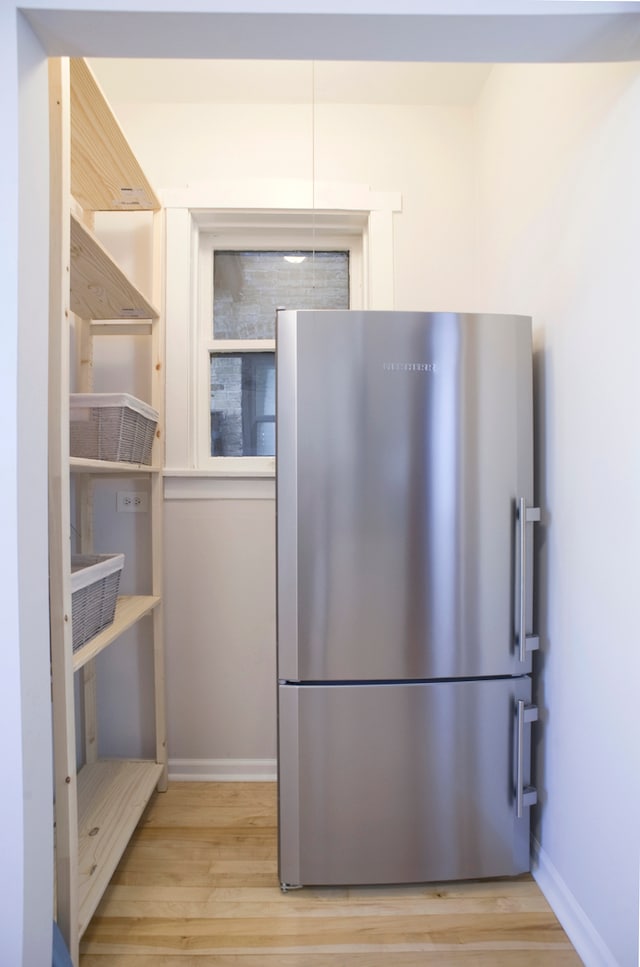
column 525, row 795
column 526, row 515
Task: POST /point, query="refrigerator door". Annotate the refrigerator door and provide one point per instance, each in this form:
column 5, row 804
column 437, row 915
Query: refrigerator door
column 404, row 447
column 401, row 783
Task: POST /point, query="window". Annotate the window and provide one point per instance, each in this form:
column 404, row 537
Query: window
column 243, row 404
column 263, row 217
column 243, row 286
column 248, row 287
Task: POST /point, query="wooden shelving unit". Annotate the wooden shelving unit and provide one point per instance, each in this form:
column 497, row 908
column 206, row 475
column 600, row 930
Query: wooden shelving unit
column 112, row 795
column 111, row 467
column 130, row 608
column 99, row 289
column 93, row 169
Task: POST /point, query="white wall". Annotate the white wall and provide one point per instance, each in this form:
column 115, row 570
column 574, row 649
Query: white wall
column 424, row 152
column 12, row 832
column 559, row 220
column 32, row 482
column 220, row 554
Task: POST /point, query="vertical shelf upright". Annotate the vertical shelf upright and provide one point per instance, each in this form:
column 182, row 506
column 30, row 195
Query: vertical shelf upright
column 97, row 806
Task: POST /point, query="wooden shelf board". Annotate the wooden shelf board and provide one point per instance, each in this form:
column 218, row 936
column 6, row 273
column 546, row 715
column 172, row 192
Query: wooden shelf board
column 113, row 467
column 99, row 288
column 105, row 175
column 112, row 795
column 129, row 610
column 122, row 328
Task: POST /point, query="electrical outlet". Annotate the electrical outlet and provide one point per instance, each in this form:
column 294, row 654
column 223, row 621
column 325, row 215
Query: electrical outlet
column 132, row 501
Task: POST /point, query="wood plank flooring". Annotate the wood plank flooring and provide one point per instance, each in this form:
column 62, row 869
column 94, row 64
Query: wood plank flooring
column 198, row 886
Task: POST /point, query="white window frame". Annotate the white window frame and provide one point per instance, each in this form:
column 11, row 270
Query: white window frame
column 241, row 215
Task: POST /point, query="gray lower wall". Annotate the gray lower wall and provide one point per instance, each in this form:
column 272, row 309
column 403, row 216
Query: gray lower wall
column 220, row 628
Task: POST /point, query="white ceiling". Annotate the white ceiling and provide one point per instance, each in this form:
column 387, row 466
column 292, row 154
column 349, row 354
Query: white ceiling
column 291, row 81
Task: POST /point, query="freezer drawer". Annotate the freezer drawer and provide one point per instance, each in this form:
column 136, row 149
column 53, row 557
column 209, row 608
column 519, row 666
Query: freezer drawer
column 401, row 783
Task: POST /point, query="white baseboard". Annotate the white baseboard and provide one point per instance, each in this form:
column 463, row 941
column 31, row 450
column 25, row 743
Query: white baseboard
column 223, row 770
column 589, row 944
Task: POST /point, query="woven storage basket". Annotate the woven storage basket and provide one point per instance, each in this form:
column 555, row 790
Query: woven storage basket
column 111, row 426
column 95, row 579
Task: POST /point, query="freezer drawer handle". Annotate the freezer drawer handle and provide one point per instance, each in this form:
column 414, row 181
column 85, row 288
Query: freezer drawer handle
column 525, row 795
column 526, row 515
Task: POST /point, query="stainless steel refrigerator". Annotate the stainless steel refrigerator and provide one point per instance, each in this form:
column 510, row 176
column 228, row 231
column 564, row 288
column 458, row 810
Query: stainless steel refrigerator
column 404, row 517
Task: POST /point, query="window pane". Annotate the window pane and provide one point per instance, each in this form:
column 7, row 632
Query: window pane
column 248, row 287
column 243, row 404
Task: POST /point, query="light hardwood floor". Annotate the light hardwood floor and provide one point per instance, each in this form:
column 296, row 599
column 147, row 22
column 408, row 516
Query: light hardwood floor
column 198, row 885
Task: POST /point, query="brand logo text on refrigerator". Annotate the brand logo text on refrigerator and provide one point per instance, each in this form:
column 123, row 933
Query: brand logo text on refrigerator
column 410, row 367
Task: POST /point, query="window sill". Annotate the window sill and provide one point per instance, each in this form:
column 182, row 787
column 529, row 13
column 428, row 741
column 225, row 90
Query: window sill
column 189, row 484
